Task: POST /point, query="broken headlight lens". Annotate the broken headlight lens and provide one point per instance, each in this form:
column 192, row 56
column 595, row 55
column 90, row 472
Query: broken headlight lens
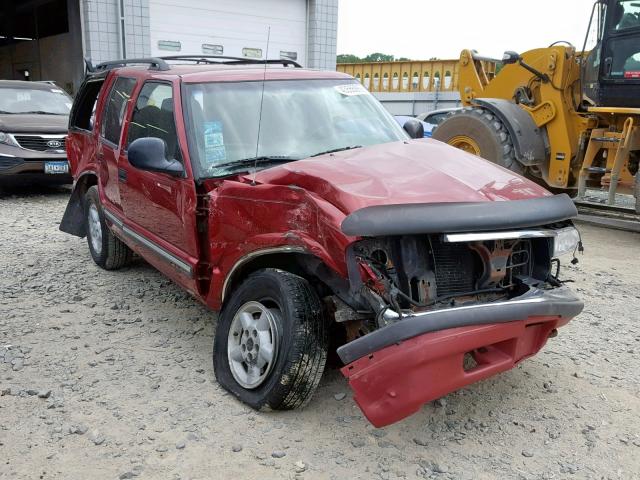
column 565, row 241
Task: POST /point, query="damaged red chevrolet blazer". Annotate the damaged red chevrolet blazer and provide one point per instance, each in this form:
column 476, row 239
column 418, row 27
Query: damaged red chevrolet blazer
column 291, row 202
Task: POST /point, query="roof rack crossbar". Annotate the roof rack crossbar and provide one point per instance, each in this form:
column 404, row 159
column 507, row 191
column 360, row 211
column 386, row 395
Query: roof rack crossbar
column 160, row 63
column 154, row 63
column 224, row 59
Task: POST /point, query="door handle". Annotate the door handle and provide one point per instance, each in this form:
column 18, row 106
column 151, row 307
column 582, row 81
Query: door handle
column 122, row 175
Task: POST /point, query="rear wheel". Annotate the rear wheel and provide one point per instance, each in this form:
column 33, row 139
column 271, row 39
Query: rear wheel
column 477, row 131
column 271, row 344
column 108, row 251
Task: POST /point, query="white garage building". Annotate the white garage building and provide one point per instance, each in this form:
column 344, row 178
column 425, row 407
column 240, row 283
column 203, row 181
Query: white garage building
column 47, row 39
column 303, row 30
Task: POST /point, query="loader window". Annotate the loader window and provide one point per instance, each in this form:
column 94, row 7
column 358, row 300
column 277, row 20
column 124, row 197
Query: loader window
column 622, row 59
column 627, row 14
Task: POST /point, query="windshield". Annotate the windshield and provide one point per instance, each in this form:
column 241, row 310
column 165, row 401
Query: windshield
column 299, row 119
column 31, row 100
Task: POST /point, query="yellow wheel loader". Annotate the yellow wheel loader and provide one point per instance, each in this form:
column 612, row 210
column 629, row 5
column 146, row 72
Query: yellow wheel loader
column 568, row 119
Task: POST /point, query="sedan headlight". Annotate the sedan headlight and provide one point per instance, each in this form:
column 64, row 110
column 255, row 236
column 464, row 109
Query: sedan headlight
column 7, row 139
column 565, row 241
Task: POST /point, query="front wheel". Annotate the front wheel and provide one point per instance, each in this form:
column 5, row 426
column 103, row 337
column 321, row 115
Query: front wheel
column 270, row 346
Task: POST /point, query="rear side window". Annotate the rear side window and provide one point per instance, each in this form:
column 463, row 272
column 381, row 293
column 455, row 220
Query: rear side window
column 84, row 105
column 153, row 117
column 115, row 108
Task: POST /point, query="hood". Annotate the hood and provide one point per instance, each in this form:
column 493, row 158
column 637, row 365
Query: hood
column 34, row 123
column 416, row 171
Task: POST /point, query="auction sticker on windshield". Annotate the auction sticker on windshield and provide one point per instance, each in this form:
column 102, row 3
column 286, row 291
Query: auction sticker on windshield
column 56, row 167
column 351, row 89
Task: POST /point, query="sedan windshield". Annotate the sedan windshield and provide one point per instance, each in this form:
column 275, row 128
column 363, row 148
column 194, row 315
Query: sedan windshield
column 52, row 101
column 229, row 131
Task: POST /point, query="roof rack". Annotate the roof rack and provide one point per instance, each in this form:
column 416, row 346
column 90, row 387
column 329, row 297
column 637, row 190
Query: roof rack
column 223, row 59
column 153, row 62
column 160, row 63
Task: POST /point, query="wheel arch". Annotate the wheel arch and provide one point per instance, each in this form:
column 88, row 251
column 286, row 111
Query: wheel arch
column 73, row 219
column 292, row 259
column 530, row 142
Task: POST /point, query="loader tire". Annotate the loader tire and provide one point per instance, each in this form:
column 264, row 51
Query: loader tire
column 636, row 192
column 476, row 130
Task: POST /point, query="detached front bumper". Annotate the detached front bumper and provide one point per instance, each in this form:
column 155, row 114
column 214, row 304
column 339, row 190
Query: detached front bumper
column 395, row 370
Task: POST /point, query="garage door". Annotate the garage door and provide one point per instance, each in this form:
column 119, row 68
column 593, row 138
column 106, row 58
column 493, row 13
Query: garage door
column 228, row 27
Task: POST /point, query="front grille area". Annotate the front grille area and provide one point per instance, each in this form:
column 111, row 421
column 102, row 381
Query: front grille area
column 41, row 144
column 460, row 269
column 455, row 268
column 520, row 263
column 420, row 271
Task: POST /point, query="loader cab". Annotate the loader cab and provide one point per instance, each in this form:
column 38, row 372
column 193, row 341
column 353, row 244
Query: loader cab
column 611, row 71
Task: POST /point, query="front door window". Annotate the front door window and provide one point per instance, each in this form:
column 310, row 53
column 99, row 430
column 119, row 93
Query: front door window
column 153, row 117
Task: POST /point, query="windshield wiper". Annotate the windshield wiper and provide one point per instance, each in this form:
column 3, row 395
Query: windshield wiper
column 268, row 159
column 334, row 150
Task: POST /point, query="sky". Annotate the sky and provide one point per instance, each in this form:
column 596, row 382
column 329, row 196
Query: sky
column 422, row 29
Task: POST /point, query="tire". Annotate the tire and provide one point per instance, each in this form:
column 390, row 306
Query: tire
column 636, row 192
column 489, row 137
column 296, row 336
column 108, row 251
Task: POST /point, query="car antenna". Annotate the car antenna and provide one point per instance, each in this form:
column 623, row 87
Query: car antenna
column 264, row 80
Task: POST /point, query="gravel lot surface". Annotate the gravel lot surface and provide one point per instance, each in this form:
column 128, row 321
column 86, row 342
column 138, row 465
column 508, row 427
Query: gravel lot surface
column 109, row 375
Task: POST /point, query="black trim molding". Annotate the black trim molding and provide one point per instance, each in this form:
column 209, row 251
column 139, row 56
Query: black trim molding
column 151, row 245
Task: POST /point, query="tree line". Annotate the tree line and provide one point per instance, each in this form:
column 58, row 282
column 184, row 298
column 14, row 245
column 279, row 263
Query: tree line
column 372, row 57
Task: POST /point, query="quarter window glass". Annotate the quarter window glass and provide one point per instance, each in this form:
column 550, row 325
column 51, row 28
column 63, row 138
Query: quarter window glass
column 115, row 109
column 153, row 117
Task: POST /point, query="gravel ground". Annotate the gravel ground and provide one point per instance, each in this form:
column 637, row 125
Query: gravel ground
column 109, row 375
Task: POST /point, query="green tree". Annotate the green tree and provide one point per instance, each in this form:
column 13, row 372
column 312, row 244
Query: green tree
column 372, row 57
column 348, row 58
column 378, row 57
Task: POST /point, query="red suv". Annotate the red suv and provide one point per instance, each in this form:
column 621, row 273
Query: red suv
column 293, row 203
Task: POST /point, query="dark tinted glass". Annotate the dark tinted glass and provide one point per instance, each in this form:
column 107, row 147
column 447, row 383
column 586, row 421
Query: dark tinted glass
column 153, row 117
column 116, row 106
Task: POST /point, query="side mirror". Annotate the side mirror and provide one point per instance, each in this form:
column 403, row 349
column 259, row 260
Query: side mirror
column 150, row 153
column 510, row 57
column 414, row 128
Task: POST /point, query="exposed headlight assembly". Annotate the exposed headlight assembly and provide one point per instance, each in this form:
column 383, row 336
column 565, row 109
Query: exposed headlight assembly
column 566, row 241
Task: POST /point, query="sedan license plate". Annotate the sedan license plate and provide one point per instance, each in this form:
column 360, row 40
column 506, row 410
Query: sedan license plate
column 56, row 167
